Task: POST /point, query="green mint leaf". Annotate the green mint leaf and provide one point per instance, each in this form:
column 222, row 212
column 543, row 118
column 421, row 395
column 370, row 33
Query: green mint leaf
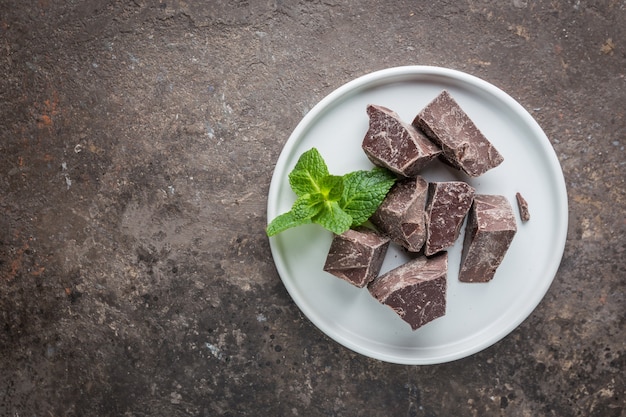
column 364, row 191
column 331, row 187
column 334, row 202
column 285, row 221
column 333, row 218
column 309, row 171
column 303, row 209
column 307, row 206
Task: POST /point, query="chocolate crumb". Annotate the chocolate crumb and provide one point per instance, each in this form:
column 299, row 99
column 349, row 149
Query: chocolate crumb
column 523, row 207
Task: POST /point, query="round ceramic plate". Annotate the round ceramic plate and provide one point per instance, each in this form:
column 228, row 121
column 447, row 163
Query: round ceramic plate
column 477, row 315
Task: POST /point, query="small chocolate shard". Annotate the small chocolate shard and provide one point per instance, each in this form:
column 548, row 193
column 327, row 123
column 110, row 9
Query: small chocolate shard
column 395, row 145
column 463, row 144
column 357, row 255
column 401, row 214
column 522, row 205
column 447, row 206
column 416, row 290
column 489, row 232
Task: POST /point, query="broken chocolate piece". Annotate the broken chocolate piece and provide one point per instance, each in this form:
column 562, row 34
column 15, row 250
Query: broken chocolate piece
column 416, row 290
column 448, row 203
column 357, row 255
column 490, row 230
column 463, row 144
column 401, row 214
column 395, row 145
column 522, row 205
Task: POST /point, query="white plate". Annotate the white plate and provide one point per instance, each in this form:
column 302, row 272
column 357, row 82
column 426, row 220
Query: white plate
column 478, row 315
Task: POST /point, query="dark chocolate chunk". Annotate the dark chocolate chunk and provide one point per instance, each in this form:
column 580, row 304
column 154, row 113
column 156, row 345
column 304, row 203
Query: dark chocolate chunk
column 357, row 255
column 416, row 290
column 395, row 145
column 401, row 214
column 447, row 206
column 463, row 144
column 522, row 205
column 490, row 230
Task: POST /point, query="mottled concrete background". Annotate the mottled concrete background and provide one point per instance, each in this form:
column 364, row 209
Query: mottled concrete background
column 137, row 143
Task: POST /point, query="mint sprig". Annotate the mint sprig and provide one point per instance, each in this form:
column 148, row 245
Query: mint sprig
column 334, row 202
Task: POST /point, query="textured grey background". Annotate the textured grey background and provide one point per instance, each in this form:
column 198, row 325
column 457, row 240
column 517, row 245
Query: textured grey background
column 137, row 143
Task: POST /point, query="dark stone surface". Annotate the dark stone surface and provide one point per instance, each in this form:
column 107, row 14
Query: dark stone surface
column 137, row 143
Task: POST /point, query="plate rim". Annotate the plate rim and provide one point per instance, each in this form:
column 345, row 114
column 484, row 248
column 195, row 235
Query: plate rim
column 414, row 72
